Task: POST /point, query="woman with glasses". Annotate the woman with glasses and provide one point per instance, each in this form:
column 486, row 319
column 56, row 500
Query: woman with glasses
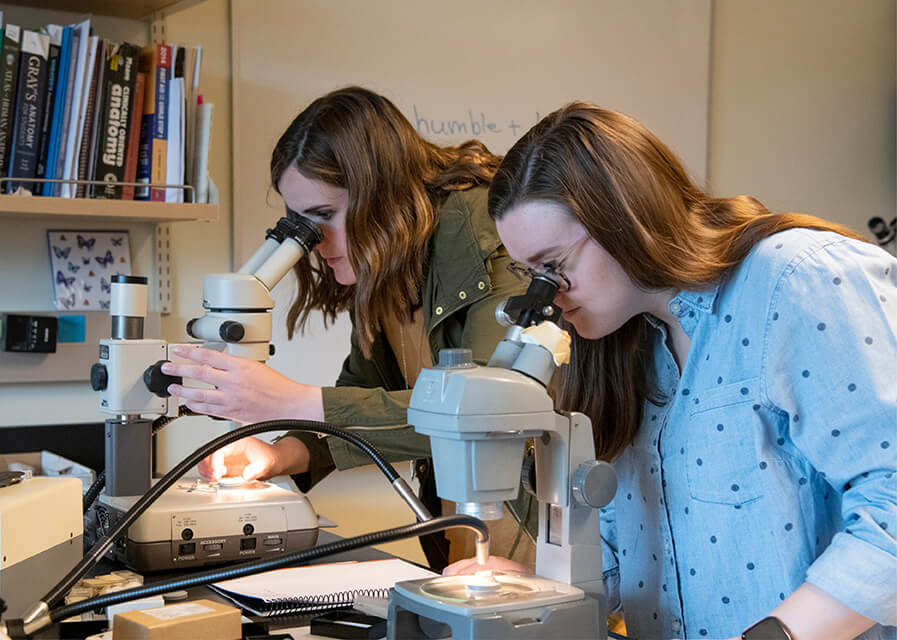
column 738, row 367
column 408, row 249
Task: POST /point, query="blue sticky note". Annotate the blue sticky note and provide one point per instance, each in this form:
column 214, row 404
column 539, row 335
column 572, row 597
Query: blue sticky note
column 72, row 329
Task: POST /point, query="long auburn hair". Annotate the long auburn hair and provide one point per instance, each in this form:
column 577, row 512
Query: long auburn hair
column 635, row 199
column 357, row 140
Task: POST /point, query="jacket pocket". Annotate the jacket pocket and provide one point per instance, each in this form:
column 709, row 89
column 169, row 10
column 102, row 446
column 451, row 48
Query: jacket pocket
column 722, row 464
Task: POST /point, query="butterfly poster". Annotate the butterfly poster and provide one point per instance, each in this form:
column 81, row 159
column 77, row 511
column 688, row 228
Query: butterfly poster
column 82, row 264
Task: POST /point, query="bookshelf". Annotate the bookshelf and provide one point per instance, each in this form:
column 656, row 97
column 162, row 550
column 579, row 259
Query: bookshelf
column 24, row 219
column 54, row 210
column 132, row 9
column 91, row 209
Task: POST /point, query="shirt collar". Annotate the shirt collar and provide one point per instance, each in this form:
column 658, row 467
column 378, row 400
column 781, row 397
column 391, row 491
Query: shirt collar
column 686, row 302
column 702, row 300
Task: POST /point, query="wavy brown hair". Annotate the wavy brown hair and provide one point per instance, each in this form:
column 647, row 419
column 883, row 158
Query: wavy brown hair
column 636, row 200
column 358, row 140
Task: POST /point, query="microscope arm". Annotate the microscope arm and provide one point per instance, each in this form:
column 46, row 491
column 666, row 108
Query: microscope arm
column 238, row 304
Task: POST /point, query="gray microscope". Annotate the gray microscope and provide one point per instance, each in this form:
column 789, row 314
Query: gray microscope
column 478, row 420
column 195, row 523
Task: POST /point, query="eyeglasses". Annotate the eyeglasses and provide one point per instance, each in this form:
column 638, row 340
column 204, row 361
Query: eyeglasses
column 554, row 270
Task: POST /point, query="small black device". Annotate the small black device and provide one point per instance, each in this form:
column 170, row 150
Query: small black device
column 769, row 628
column 10, row 477
column 348, row 624
column 29, row 334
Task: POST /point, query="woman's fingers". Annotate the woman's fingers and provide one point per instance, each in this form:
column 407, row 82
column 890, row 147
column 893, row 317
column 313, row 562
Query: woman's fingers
column 203, row 373
column 209, row 357
column 192, row 395
column 255, row 470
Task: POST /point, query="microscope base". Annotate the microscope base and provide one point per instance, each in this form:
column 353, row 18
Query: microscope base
column 196, row 524
column 563, row 613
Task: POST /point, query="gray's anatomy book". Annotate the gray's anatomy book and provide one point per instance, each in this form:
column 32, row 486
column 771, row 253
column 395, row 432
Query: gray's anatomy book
column 30, row 97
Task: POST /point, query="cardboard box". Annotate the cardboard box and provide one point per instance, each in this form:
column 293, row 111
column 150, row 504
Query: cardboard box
column 194, row 620
column 47, row 463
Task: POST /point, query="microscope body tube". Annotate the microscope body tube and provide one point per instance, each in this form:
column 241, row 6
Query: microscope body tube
column 289, row 253
column 127, row 307
column 260, row 256
column 246, row 334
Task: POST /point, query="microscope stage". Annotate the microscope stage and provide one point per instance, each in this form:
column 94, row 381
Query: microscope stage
column 492, row 591
column 196, row 523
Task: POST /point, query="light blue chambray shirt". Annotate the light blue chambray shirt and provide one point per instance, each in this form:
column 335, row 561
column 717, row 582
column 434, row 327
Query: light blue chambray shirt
column 772, row 463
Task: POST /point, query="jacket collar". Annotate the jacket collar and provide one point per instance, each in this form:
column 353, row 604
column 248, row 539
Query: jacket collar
column 465, row 237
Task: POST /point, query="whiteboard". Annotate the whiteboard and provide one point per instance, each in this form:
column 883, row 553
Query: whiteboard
column 468, row 68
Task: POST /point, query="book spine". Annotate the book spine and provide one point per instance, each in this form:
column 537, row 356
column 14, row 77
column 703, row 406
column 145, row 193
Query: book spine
column 55, row 34
column 9, row 71
column 79, row 73
column 89, row 145
column 56, row 125
column 201, row 152
column 30, row 97
column 127, row 192
column 116, row 115
column 160, row 121
column 145, row 151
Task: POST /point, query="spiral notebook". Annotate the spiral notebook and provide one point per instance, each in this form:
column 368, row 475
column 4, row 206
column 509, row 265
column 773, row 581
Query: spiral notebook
column 317, row 587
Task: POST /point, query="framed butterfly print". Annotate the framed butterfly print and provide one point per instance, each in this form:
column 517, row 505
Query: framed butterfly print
column 82, row 264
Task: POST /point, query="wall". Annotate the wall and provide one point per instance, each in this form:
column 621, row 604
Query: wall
column 802, row 109
column 485, row 70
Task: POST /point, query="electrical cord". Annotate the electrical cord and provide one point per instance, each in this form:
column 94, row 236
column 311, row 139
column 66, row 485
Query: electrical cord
column 378, row 537
column 103, row 544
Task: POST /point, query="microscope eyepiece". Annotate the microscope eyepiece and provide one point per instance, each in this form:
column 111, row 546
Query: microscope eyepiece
column 532, row 307
column 300, row 229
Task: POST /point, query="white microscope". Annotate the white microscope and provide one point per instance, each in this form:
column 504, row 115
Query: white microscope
column 195, row 523
column 478, row 420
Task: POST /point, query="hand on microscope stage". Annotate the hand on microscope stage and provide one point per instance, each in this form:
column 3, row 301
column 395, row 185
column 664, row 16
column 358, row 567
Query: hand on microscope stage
column 245, row 390
column 494, row 563
column 254, row 459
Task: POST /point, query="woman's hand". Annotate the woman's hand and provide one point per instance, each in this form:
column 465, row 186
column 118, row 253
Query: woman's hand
column 494, row 563
column 244, row 390
column 254, row 459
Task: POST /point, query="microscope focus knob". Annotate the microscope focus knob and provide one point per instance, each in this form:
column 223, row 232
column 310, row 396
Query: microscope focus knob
column 231, row 331
column 594, row 484
column 157, row 382
column 528, row 471
column 99, row 377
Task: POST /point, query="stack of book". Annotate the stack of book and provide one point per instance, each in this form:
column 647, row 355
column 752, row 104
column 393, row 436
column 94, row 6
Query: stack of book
column 99, row 115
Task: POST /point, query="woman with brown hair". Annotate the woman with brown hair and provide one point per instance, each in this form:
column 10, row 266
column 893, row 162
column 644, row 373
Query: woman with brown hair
column 409, row 250
column 738, row 367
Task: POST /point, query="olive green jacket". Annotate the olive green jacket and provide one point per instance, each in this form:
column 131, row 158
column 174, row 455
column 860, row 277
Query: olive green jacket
column 466, row 280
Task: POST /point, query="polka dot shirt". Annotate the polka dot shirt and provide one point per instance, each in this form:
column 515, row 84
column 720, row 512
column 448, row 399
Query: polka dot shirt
column 772, row 461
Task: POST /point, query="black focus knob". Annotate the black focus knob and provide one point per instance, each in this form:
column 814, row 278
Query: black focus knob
column 99, row 377
column 158, row 382
column 231, row 331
